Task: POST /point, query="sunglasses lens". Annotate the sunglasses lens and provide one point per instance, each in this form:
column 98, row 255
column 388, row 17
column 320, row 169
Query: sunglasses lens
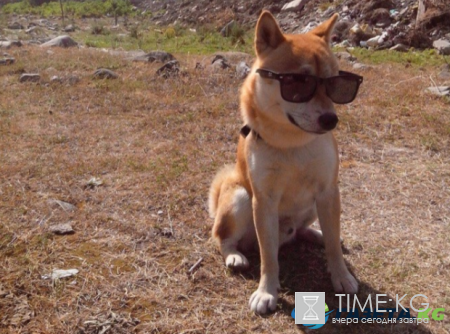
column 298, row 88
column 342, row 89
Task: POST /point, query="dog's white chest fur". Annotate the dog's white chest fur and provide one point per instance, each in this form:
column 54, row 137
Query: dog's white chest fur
column 294, row 176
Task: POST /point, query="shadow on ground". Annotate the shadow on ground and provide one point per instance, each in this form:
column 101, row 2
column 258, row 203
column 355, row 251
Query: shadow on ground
column 303, row 269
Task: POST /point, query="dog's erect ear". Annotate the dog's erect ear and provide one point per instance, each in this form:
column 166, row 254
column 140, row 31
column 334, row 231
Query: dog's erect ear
column 268, row 33
column 326, row 28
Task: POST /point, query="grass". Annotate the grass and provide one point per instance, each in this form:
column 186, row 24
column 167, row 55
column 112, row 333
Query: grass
column 171, row 39
column 413, row 57
column 156, row 145
column 73, row 9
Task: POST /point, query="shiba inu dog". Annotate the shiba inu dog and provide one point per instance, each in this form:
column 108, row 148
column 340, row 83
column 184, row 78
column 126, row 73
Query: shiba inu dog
column 286, row 174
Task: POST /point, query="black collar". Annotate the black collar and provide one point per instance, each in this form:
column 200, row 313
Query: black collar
column 245, row 130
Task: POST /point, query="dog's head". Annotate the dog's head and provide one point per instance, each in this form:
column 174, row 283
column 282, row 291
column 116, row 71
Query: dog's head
column 269, row 100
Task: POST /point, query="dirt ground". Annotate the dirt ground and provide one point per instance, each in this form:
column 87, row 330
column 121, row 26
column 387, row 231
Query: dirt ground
column 153, row 146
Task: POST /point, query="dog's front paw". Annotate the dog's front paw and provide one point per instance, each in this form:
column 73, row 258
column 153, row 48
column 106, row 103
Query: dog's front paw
column 236, row 261
column 262, row 302
column 344, row 282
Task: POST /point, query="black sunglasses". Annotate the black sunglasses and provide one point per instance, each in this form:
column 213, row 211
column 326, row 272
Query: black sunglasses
column 300, row 88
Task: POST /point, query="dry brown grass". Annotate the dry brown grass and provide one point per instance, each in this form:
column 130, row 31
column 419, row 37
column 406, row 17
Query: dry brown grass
column 156, row 145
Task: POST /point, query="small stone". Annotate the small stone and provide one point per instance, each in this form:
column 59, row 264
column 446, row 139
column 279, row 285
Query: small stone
column 220, row 62
column 69, row 28
column 93, row 182
column 30, row 30
column 242, row 70
column 296, row 5
column 61, row 229
column 155, row 56
column 439, row 90
column 9, row 44
column 15, row 26
column 359, row 66
column 61, row 273
column 169, row 69
column 30, row 77
column 345, row 56
column 68, row 207
column 443, row 46
column 7, row 61
column 104, row 73
column 400, row 48
column 61, row 41
column 55, row 78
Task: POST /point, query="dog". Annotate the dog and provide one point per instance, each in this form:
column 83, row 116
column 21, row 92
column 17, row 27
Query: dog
column 286, row 173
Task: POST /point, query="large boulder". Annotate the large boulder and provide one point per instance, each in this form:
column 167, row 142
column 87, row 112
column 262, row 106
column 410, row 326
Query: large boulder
column 61, row 41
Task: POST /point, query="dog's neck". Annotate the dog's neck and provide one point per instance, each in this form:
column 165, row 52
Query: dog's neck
column 282, row 136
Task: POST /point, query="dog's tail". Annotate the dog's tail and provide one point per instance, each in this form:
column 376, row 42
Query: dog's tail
column 214, row 191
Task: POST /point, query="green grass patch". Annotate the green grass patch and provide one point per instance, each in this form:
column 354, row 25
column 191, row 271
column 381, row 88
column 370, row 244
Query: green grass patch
column 417, row 58
column 90, row 8
column 184, row 42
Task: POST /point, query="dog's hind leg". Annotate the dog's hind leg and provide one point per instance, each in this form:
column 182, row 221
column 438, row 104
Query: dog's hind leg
column 233, row 225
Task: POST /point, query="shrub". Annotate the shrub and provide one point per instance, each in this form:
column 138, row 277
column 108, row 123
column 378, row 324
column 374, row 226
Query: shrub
column 170, row 33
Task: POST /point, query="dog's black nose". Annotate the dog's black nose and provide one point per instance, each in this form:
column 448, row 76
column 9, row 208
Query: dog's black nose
column 328, row 121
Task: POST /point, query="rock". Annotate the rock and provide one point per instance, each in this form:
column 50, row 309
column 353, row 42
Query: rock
column 55, row 78
column 400, row 48
column 61, row 41
column 104, row 73
column 345, row 56
column 68, row 207
column 70, row 80
column 439, row 90
column 371, row 5
column 235, row 57
column 7, row 61
column 93, row 182
column 172, row 68
column 341, row 31
column 15, row 26
column 9, row 44
column 31, row 29
column 373, row 42
column 381, row 17
column 296, row 5
column 30, row 77
column 226, row 30
column 155, row 56
column 377, row 40
column 61, row 229
column 310, row 26
column 60, row 273
column 443, row 46
column 359, row 66
column 221, row 62
column 242, row 70
column 69, row 28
